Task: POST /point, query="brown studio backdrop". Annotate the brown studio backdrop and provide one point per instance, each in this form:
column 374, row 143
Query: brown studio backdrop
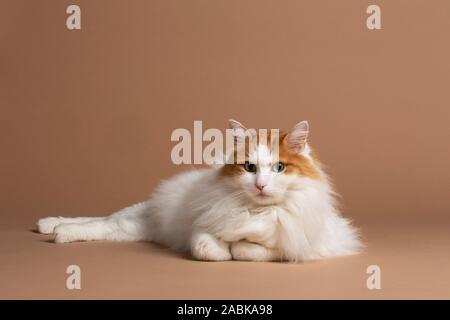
column 86, row 116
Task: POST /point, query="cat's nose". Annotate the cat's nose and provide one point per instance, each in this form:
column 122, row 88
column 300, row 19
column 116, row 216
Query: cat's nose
column 260, row 186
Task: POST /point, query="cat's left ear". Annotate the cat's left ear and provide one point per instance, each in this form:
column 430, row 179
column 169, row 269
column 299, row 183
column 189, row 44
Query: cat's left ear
column 238, row 130
column 236, row 125
column 298, row 136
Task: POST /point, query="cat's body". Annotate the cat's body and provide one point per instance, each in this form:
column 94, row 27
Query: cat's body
column 216, row 214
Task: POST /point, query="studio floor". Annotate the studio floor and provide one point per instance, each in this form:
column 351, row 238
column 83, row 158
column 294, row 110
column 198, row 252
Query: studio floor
column 414, row 258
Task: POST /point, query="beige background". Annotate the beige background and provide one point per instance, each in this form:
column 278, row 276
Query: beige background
column 86, row 116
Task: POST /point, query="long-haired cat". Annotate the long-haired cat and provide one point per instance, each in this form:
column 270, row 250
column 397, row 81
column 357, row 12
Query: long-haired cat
column 282, row 207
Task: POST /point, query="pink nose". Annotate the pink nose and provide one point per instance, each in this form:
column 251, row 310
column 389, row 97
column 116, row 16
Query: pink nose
column 260, row 187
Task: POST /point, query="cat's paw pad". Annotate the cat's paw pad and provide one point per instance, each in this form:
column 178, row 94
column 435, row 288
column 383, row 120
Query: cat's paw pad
column 248, row 251
column 67, row 232
column 47, row 225
column 208, row 249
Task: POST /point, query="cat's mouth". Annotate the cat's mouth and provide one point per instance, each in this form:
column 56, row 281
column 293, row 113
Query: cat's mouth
column 263, row 195
column 264, row 198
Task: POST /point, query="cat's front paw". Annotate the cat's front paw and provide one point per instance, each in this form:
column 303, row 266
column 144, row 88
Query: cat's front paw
column 247, row 251
column 207, row 247
column 47, row 225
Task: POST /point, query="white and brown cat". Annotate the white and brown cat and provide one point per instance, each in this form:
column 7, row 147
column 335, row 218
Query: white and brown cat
column 278, row 208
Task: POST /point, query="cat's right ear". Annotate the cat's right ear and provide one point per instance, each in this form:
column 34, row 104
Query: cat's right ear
column 238, row 129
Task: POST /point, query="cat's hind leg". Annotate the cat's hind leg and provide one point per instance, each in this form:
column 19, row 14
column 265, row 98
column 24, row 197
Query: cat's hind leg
column 249, row 251
column 133, row 223
column 48, row 225
column 110, row 228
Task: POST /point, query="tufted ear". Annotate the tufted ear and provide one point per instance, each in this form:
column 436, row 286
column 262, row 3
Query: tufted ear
column 297, row 137
column 233, row 124
column 238, row 129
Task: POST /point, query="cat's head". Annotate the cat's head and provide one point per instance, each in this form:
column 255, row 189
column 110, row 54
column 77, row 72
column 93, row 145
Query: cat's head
column 272, row 164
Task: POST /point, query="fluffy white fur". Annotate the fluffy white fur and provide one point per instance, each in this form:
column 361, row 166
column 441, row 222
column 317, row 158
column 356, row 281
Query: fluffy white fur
column 220, row 218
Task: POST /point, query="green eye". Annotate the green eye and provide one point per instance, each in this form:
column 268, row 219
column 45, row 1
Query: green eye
column 278, row 167
column 250, row 167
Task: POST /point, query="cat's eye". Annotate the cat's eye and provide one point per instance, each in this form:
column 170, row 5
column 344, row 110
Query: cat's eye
column 278, row 167
column 250, row 167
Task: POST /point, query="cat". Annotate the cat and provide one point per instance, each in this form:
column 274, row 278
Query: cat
column 271, row 210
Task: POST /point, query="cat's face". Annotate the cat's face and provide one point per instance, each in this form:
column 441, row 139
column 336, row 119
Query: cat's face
column 269, row 172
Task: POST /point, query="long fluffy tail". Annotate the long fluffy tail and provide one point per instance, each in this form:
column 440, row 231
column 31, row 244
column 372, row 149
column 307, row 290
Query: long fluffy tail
column 129, row 224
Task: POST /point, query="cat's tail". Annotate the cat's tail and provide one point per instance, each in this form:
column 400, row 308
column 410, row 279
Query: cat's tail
column 129, row 224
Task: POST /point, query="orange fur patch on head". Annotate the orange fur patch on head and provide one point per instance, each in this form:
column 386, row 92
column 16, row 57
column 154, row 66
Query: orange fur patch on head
column 295, row 163
column 230, row 170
